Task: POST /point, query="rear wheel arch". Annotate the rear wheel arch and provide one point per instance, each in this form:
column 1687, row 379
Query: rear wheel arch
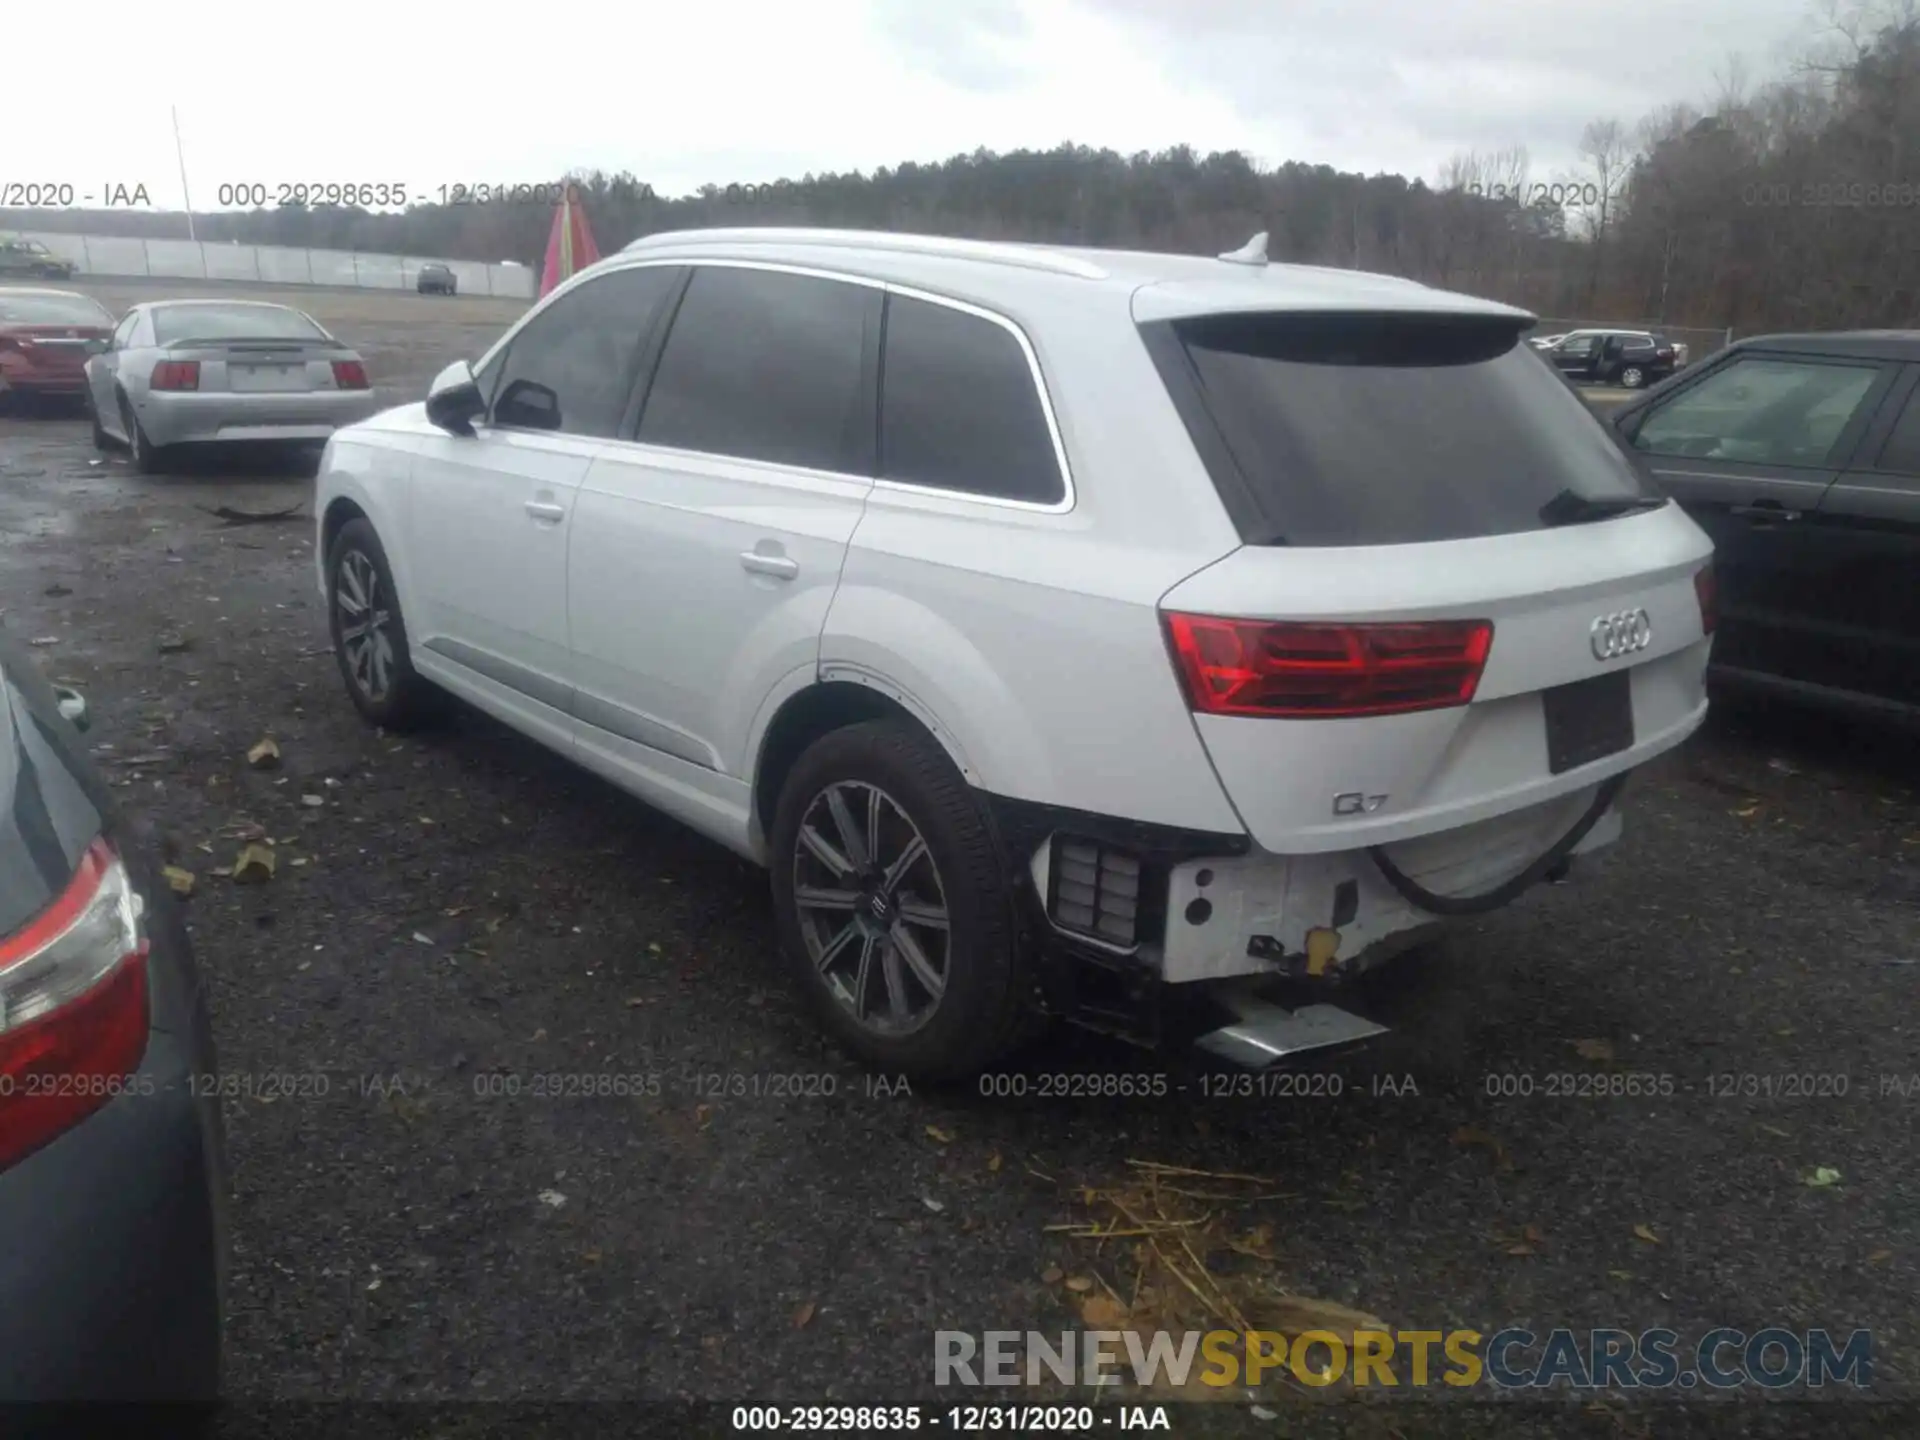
column 817, row 711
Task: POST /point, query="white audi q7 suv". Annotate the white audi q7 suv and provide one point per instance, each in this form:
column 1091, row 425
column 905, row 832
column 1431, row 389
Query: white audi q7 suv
column 1121, row 635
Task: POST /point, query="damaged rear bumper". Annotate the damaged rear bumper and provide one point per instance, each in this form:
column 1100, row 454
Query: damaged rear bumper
column 1177, row 908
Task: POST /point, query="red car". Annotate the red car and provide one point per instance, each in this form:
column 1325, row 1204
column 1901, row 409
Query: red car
column 44, row 341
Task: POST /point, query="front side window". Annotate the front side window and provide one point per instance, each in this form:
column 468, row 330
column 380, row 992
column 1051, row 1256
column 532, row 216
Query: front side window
column 1902, row 450
column 959, row 409
column 572, row 368
column 765, row 365
column 1765, row 411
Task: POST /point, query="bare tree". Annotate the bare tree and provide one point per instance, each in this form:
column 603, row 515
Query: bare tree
column 1606, row 165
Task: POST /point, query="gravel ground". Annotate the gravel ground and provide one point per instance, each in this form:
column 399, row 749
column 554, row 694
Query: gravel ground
column 465, row 912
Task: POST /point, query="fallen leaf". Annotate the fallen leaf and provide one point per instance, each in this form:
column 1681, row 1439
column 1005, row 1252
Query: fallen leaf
column 265, row 754
column 592, row 1257
column 1641, row 1232
column 1749, row 812
column 1079, row 1284
column 180, row 880
column 1821, row 1177
column 1101, row 1312
column 1520, row 1248
column 1292, row 1314
column 1467, row 1135
column 803, row 1315
column 552, row 1199
column 993, row 1162
column 702, row 1116
column 1776, row 1130
column 1879, row 1257
column 254, row 865
column 935, row 1133
column 1621, row 1274
column 1051, row 1275
column 422, row 939
column 1594, row 1049
column 425, row 820
column 635, row 1001
column 313, row 802
column 932, row 1204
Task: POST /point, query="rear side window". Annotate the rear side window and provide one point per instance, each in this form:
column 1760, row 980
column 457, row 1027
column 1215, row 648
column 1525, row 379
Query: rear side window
column 1376, row 429
column 764, row 365
column 1765, row 411
column 574, row 366
column 959, row 409
column 232, row 322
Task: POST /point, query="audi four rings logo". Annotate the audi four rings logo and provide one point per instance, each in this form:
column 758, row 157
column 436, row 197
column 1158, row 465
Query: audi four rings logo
column 1619, row 634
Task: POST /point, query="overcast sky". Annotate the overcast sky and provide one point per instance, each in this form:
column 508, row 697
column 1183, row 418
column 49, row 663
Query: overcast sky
column 751, row 90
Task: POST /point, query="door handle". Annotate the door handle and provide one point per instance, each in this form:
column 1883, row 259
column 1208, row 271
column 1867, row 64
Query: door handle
column 542, row 510
column 1765, row 510
column 778, row 566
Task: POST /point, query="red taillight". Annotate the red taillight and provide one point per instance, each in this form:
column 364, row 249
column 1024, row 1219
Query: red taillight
column 1320, row 671
column 175, row 375
column 1707, row 590
column 349, row 375
column 73, row 1005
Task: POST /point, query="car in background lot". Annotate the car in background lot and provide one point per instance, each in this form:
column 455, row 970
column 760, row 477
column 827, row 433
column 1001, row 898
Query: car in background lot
column 212, row 372
column 437, row 279
column 113, row 1190
column 1033, row 614
column 21, row 258
column 1800, row 456
column 44, row 339
column 1629, row 358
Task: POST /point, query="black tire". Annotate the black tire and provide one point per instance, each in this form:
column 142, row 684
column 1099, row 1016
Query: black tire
column 408, row 700
column 990, row 1003
column 148, row 458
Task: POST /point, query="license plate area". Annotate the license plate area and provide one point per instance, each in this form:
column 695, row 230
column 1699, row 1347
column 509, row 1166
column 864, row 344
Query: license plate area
column 1588, row 720
column 268, row 378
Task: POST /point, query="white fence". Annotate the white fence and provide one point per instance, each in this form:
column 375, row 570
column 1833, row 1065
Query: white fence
column 275, row 264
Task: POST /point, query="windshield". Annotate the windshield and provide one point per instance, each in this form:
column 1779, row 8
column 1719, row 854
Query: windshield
column 173, row 323
column 18, row 309
column 1392, row 429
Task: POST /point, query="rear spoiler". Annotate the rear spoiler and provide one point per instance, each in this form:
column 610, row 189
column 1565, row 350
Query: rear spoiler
column 254, row 342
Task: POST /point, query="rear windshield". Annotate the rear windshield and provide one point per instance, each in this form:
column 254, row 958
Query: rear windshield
column 232, row 322
column 1385, row 429
column 51, row 310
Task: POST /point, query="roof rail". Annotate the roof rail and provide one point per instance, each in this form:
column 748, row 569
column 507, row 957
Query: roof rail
column 1029, row 257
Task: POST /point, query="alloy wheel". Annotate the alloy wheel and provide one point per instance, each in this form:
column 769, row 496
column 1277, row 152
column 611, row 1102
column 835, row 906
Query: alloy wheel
column 872, row 908
column 364, row 624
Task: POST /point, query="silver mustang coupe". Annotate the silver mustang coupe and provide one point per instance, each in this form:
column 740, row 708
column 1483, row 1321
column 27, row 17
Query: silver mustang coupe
column 194, row 372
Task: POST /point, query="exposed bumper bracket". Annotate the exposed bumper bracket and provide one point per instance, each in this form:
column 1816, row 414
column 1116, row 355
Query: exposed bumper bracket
column 1262, row 1033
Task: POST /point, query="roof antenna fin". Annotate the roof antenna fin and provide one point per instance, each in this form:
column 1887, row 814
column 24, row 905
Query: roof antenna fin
column 1254, row 252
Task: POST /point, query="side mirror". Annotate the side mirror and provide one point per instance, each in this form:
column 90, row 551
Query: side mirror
column 454, row 399
column 529, row 405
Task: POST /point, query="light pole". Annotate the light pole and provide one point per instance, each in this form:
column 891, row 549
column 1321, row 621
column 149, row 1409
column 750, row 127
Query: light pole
column 181, row 155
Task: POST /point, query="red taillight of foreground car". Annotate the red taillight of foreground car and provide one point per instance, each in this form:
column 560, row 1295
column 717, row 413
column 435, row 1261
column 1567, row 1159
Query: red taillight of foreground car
column 175, row 375
column 73, row 1005
column 1317, row 671
column 350, row 375
column 1706, row 590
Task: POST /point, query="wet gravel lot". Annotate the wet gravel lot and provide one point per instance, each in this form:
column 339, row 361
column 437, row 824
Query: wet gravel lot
column 451, row 917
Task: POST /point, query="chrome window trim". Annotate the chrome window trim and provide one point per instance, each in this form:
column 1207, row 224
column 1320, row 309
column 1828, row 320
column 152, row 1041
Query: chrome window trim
column 1069, row 496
